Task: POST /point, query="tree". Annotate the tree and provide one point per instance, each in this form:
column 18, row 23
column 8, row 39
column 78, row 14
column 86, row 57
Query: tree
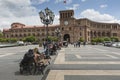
column 81, row 39
column 1, row 35
column 99, row 40
column 3, row 40
column 30, row 39
column 52, row 38
column 114, row 39
column 107, row 39
column 12, row 40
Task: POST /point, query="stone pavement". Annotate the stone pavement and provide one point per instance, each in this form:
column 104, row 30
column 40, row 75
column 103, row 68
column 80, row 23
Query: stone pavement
column 86, row 63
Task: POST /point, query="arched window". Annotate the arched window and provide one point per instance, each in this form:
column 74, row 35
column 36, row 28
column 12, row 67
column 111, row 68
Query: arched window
column 43, row 34
column 16, row 35
column 99, row 34
column 29, row 34
column 24, row 35
column 33, row 34
column 7, row 36
column 80, row 34
column 53, row 34
column 38, row 34
column 103, row 33
column 20, row 35
column 12, row 35
column 108, row 34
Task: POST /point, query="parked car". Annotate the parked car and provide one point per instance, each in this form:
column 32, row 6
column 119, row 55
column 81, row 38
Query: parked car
column 118, row 45
column 107, row 43
column 114, row 44
column 20, row 43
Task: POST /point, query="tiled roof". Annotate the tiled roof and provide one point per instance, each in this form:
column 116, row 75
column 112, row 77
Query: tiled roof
column 5, row 29
column 34, row 26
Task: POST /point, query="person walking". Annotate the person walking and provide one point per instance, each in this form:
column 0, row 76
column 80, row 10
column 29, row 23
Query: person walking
column 74, row 44
column 79, row 43
column 84, row 43
column 44, row 44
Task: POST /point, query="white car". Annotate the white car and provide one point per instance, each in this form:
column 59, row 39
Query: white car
column 20, row 43
column 118, row 45
column 107, row 43
column 114, row 44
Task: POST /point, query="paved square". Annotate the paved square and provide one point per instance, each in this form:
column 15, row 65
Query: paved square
column 85, row 55
column 86, row 63
column 93, row 77
column 84, row 75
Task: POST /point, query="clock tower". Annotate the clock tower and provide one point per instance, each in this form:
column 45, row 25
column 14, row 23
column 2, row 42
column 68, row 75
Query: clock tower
column 67, row 22
column 65, row 17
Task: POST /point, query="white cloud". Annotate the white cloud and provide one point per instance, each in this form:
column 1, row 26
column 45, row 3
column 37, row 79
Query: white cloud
column 74, row 7
column 28, row 20
column 97, row 16
column 103, row 6
column 57, row 1
column 83, row 0
column 20, row 11
column 56, row 20
column 39, row 1
column 19, row 8
column 67, row 1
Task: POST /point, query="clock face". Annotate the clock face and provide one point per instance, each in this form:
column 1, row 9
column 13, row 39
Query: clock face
column 66, row 22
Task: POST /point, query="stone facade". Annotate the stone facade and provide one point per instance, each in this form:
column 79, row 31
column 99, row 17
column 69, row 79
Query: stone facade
column 21, row 31
column 71, row 29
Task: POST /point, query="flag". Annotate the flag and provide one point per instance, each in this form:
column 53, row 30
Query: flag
column 64, row 1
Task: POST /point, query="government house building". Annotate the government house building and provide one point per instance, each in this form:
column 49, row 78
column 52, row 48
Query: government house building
column 71, row 29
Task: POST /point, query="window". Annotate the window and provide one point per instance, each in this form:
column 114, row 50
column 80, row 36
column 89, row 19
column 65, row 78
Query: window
column 60, row 15
column 52, row 29
column 88, row 34
column 80, row 34
column 80, row 28
column 38, row 30
column 114, row 26
column 16, row 31
column 24, row 35
column 43, row 34
column 29, row 34
column 107, row 26
column 29, row 30
column 33, row 30
column 24, row 30
column 38, row 34
column 52, row 34
column 7, row 36
column 20, row 35
column 62, row 29
column 33, row 34
column 16, row 35
column 11, row 35
column 48, row 34
column 43, row 30
column 114, row 34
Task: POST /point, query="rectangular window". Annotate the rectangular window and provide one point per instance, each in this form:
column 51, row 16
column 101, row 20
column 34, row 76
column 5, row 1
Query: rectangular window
column 62, row 29
column 114, row 34
column 80, row 34
column 42, row 29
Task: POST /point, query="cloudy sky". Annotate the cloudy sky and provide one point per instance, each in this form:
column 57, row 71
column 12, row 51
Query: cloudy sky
column 26, row 11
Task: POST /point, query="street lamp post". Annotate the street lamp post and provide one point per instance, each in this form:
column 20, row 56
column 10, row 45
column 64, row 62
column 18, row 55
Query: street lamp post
column 47, row 18
column 57, row 31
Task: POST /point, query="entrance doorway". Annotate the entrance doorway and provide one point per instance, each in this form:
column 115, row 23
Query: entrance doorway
column 66, row 37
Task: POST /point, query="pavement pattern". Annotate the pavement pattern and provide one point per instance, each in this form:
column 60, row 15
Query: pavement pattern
column 90, row 62
column 10, row 58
